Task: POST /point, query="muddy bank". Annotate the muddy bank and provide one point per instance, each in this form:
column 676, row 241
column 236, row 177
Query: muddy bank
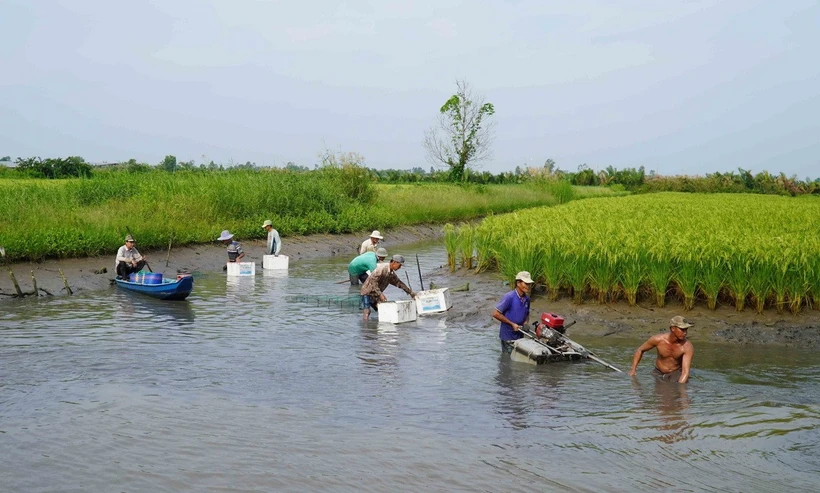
column 473, row 307
column 619, row 320
column 95, row 273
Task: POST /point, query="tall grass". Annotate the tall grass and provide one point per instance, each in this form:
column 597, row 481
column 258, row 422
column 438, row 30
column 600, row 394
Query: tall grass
column 686, row 247
column 80, row 217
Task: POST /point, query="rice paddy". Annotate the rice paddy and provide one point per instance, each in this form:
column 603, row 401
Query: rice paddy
column 756, row 251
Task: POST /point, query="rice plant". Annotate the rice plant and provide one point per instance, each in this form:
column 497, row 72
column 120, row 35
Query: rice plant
column 450, row 245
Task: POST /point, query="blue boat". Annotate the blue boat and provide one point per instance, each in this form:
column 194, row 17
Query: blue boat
column 169, row 289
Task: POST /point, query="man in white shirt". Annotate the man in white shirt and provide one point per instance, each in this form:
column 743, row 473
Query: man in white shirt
column 129, row 259
column 371, row 244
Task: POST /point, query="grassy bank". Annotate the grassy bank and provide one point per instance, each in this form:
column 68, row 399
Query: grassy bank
column 746, row 250
column 80, row 217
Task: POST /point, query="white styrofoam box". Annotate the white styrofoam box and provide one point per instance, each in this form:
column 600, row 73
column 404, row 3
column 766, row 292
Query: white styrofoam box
column 433, row 301
column 241, row 268
column 396, row 312
column 276, row 262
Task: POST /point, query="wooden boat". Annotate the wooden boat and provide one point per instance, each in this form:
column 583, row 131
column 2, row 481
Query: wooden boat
column 168, row 289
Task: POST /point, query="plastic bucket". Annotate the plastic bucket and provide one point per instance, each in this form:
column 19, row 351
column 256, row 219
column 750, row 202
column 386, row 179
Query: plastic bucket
column 147, row 277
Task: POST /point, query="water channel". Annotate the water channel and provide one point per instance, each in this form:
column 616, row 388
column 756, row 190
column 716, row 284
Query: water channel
column 254, row 385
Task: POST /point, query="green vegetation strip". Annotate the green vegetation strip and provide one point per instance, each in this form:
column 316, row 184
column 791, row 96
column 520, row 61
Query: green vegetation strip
column 739, row 249
column 88, row 216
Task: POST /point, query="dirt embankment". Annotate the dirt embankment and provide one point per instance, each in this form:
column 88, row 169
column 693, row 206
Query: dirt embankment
column 473, row 306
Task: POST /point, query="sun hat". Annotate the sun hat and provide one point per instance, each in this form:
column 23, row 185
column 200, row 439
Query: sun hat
column 680, row 322
column 524, row 276
column 226, row 235
column 381, row 252
column 398, row 258
column 267, row 222
column 128, row 237
column 376, row 234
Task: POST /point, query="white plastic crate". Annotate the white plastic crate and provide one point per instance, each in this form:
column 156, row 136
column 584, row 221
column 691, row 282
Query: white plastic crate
column 396, row 312
column 241, row 268
column 275, row 262
column 433, row 301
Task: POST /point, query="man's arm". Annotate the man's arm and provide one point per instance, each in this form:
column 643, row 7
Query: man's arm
column 503, row 318
column 277, row 242
column 395, row 281
column 686, row 364
column 636, row 358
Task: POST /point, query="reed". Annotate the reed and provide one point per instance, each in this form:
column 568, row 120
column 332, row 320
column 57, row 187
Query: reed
column 80, row 217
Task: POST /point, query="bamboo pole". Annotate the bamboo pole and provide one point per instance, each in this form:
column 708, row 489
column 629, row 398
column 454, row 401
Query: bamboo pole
column 167, row 257
column 11, row 273
column 34, row 281
column 65, row 281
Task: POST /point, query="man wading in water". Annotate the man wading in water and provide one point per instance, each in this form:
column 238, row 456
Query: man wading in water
column 674, row 352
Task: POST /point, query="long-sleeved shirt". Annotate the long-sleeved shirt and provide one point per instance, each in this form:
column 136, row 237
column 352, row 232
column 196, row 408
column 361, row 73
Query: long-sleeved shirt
column 368, row 246
column 274, row 243
column 126, row 255
column 379, row 279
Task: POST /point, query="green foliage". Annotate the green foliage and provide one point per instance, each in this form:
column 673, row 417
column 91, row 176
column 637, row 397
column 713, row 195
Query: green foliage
column 70, row 167
column 169, row 164
column 466, row 134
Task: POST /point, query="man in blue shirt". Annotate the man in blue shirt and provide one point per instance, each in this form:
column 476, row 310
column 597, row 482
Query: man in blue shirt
column 513, row 311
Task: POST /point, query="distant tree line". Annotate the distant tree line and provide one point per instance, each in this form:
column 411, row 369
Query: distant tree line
column 636, row 180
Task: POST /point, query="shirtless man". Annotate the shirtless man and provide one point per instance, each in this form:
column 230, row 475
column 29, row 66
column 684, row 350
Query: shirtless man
column 674, row 352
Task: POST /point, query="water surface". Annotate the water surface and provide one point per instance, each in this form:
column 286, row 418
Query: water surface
column 254, row 385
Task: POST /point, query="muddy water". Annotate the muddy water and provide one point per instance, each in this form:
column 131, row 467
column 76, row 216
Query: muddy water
column 259, row 385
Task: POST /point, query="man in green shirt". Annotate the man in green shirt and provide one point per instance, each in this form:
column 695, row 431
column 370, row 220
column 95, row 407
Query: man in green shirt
column 361, row 266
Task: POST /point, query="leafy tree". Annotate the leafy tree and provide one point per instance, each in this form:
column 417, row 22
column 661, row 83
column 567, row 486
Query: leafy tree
column 5, row 159
column 169, row 164
column 462, row 137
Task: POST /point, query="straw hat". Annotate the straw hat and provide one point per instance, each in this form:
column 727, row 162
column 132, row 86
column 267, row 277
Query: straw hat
column 376, row 234
column 226, row 235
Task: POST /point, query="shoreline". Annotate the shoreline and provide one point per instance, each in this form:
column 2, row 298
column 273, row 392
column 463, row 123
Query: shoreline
column 614, row 320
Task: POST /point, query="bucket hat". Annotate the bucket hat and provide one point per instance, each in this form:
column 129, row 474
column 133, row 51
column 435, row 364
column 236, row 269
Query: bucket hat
column 376, row 234
column 381, row 252
column 680, row 322
column 226, row 235
column 524, row 276
column 398, row 258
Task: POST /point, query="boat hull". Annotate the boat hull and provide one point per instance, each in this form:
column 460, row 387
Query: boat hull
column 170, row 289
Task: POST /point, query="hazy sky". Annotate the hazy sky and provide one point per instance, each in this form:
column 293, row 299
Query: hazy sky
column 681, row 87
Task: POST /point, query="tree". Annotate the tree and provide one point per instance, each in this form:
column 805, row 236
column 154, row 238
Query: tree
column 462, row 137
column 169, row 164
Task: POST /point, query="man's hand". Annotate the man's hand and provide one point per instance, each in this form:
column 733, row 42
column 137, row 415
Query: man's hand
column 631, row 373
column 413, row 294
column 382, row 297
column 515, row 327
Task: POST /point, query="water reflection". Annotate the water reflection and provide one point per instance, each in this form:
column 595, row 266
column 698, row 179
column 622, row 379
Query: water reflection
column 164, row 313
column 524, row 389
column 671, row 400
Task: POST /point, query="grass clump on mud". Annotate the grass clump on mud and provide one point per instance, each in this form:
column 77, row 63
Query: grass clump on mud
column 759, row 251
column 88, row 216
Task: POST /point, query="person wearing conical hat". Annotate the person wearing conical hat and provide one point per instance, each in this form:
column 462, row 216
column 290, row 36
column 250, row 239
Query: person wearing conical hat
column 371, row 244
column 274, row 244
column 675, row 352
column 235, row 253
column 129, row 259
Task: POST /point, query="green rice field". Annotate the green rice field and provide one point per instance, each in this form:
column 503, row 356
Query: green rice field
column 757, row 251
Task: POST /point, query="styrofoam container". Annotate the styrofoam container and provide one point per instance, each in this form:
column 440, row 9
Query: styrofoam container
column 433, row 301
column 275, row 262
column 528, row 351
column 241, row 268
column 396, row 312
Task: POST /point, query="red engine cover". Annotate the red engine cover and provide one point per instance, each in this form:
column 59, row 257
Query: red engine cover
column 552, row 320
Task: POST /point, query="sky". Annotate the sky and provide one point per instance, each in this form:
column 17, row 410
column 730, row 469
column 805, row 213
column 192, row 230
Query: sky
column 679, row 87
